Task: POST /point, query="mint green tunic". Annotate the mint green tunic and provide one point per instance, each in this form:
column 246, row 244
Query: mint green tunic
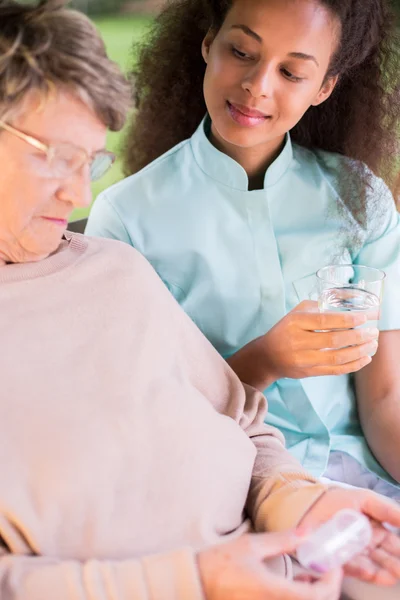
column 237, row 261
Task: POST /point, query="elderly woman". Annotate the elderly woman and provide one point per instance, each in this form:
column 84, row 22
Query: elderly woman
column 129, row 451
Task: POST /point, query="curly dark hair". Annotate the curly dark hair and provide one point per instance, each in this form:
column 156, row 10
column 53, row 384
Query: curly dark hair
column 360, row 120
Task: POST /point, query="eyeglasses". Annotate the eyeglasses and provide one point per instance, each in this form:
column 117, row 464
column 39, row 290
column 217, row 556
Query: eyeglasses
column 65, row 159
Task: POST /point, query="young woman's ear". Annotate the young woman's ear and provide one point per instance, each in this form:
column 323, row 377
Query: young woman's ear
column 206, row 45
column 326, row 90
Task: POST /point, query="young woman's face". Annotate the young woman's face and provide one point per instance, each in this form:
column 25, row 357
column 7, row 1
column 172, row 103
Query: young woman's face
column 265, row 67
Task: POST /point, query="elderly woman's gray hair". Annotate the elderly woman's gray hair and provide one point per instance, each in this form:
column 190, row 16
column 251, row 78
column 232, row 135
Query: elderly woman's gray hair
column 45, row 47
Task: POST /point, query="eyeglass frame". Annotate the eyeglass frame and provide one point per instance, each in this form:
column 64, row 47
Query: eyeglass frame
column 49, row 149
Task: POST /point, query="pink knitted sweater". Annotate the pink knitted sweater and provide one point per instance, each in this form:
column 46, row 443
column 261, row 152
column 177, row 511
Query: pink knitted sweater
column 126, row 443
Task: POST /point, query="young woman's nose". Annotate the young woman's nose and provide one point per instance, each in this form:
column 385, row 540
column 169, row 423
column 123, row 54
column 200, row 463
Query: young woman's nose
column 259, row 81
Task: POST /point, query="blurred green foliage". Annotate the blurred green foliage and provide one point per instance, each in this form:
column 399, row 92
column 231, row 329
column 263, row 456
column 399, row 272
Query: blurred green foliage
column 119, row 34
column 91, row 7
column 98, row 7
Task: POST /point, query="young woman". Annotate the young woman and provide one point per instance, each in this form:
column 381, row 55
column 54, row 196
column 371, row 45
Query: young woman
column 239, row 217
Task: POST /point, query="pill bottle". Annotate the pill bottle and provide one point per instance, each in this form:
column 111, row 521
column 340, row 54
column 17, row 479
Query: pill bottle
column 335, row 542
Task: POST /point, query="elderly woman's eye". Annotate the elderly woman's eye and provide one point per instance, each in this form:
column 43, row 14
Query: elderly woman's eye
column 66, row 159
column 37, row 155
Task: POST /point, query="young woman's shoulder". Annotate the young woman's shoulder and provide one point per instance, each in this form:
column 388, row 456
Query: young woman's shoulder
column 353, row 184
column 149, row 192
column 365, row 201
column 323, row 164
column 153, row 176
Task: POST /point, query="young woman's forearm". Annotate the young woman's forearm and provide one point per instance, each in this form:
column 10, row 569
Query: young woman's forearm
column 251, row 366
column 378, row 401
column 381, row 426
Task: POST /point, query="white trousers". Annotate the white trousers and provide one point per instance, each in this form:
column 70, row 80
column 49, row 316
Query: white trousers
column 346, row 471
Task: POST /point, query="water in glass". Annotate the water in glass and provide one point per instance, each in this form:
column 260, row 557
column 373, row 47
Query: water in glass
column 344, row 299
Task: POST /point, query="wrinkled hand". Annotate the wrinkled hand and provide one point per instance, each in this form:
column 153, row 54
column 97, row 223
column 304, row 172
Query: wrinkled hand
column 380, row 563
column 296, row 346
column 236, row 571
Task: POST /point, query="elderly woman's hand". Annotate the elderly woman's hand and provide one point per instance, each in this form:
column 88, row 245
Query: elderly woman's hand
column 236, row 571
column 380, row 563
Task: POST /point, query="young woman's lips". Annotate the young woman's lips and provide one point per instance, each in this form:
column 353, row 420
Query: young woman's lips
column 246, row 117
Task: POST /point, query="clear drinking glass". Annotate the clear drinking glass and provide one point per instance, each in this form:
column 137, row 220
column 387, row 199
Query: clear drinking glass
column 342, row 288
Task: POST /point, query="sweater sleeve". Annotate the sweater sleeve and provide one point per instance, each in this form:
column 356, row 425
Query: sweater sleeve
column 172, row 576
column 281, row 491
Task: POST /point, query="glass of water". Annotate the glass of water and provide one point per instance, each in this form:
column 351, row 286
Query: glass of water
column 343, row 288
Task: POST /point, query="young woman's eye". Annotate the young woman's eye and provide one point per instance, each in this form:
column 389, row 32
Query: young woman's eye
column 290, row 75
column 240, row 54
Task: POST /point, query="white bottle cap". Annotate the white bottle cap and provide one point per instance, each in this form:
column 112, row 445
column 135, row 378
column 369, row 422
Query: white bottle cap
column 336, row 542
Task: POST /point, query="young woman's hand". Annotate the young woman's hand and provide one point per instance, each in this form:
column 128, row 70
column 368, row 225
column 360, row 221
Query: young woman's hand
column 308, row 343
column 380, row 563
column 236, row 571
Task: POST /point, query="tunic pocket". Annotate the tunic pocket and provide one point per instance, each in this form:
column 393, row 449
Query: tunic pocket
column 306, row 287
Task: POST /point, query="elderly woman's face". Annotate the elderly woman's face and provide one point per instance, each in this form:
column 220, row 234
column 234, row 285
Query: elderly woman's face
column 35, row 204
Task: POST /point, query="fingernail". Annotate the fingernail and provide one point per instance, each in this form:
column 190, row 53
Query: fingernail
column 372, row 332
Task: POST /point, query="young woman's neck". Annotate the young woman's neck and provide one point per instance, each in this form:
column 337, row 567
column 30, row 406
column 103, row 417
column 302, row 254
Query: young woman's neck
column 255, row 161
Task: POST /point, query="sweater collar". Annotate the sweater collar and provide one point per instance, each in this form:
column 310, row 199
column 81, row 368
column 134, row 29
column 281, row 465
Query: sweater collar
column 72, row 246
column 226, row 170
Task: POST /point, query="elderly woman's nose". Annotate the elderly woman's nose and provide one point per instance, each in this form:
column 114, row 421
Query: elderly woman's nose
column 76, row 188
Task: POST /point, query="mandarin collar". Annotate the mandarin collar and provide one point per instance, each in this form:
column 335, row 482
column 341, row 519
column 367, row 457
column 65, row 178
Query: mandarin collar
column 226, row 170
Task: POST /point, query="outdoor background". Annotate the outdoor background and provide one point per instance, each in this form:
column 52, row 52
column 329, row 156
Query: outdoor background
column 122, row 23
